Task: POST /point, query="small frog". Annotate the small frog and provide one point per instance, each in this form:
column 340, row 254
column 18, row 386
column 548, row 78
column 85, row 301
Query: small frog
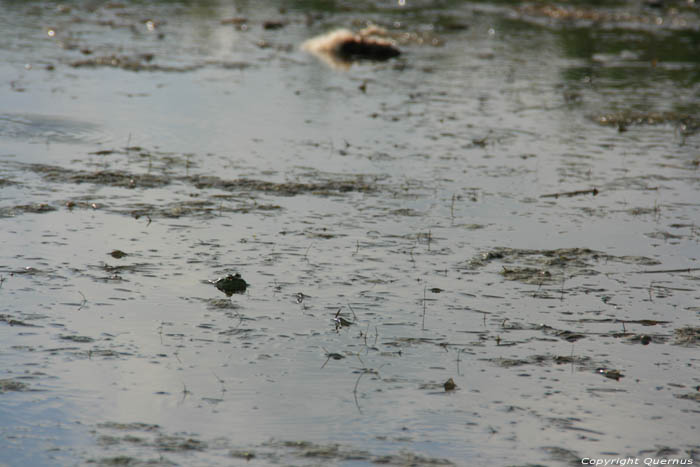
column 612, row 374
column 341, row 322
column 231, row 284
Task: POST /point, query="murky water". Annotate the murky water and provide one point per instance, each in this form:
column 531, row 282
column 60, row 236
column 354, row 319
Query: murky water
column 511, row 203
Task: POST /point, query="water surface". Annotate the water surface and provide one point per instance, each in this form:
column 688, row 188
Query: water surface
column 512, row 203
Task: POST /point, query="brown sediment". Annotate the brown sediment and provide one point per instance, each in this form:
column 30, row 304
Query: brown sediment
column 673, row 18
column 143, row 62
column 584, row 363
column 236, row 20
column 36, row 208
column 12, row 385
column 286, row 188
column 547, row 266
column 9, row 319
column 338, row 452
column 688, row 336
column 686, row 124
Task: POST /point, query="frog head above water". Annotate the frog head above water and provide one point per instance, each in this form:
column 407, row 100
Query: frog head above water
column 231, row 284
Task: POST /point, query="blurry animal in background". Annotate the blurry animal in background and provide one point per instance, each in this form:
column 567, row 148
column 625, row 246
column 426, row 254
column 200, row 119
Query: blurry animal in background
column 342, row 47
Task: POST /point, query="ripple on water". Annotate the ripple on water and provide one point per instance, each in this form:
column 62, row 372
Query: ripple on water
column 39, row 128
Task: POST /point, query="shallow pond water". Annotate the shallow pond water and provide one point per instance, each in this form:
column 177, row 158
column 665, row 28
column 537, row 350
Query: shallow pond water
column 512, row 204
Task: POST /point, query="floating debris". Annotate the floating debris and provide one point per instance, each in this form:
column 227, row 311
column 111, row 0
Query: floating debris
column 356, row 184
column 56, row 174
column 128, row 426
column 692, row 396
column 584, row 363
column 176, row 443
column 231, row 284
column 237, row 21
column 527, row 275
column 141, row 62
column 688, row 336
column 569, row 336
column 334, row 453
column 15, row 322
column 37, row 208
column 686, row 124
column 582, row 15
column 569, row 194
column 565, row 456
column 247, row 455
column 548, row 266
column 12, row 385
column 79, row 339
column 272, row 24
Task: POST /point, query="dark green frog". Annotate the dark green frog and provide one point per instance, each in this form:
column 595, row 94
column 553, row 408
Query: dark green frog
column 231, row 284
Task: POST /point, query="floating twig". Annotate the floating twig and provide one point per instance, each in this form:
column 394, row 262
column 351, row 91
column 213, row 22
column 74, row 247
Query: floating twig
column 363, row 371
column 569, row 194
column 563, row 279
column 185, row 392
column 572, row 357
column 221, row 381
column 306, row 255
column 333, row 355
column 354, row 392
column 666, row 271
column 353, row 312
column 424, row 289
